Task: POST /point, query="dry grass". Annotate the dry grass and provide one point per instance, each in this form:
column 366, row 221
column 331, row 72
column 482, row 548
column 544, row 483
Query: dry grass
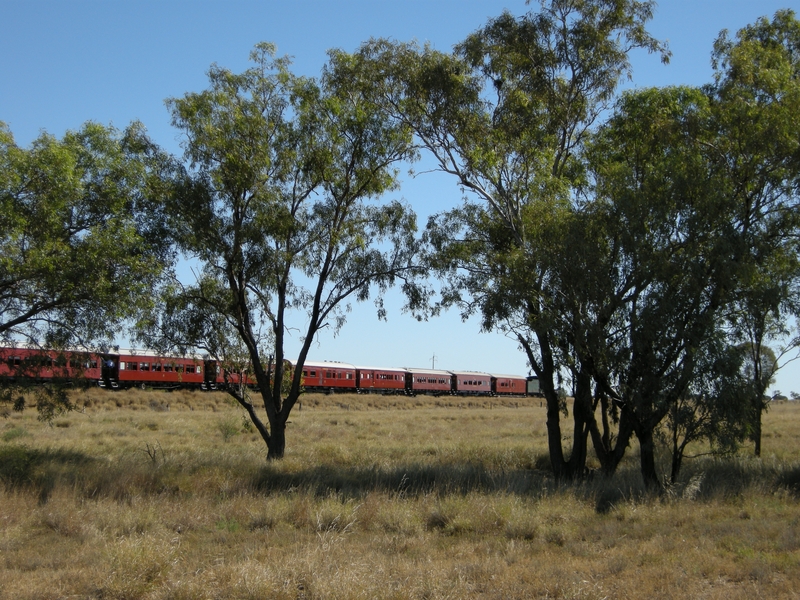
column 378, row 497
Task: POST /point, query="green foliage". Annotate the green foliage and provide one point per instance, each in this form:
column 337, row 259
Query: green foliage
column 80, row 244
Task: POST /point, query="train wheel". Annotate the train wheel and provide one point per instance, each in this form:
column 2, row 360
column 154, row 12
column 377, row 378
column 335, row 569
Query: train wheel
column 142, row 386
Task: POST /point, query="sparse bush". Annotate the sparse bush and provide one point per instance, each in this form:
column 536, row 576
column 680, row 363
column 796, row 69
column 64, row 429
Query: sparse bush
column 228, row 427
column 14, row 433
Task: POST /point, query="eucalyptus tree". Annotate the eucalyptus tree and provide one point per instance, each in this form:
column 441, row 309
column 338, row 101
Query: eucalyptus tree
column 81, row 243
column 668, row 245
column 275, row 210
column 700, row 192
column 756, row 91
column 505, row 115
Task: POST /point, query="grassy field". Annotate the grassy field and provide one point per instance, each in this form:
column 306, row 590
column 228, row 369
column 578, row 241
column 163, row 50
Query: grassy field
column 168, row 495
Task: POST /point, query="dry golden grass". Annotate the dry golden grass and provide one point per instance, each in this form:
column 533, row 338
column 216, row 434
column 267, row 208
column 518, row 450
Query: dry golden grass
column 378, row 497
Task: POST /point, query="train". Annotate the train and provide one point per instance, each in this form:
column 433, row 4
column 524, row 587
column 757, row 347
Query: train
column 136, row 368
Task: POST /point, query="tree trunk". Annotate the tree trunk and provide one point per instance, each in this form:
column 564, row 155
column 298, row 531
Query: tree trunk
column 276, row 445
column 577, row 460
column 554, row 436
column 647, row 453
column 677, row 459
column 584, row 421
column 610, row 456
column 756, row 435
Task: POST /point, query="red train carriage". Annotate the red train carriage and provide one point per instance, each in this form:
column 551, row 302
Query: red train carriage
column 375, row 380
column 46, row 365
column 508, row 385
column 134, row 369
column 470, row 383
column 328, row 376
column 428, row 381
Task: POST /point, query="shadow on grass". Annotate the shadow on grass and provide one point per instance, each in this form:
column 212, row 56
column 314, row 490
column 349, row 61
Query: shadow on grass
column 42, row 471
column 22, row 467
column 411, row 480
column 790, row 479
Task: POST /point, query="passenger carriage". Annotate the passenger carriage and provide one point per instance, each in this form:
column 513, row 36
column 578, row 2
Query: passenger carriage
column 508, row 385
column 132, row 368
column 471, row 383
column 379, row 380
column 328, row 376
column 428, row 381
column 29, row 363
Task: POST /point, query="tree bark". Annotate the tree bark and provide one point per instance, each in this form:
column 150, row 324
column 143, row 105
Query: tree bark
column 554, row 435
column 756, row 435
column 677, row 459
column 584, row 421
column 647, row 454
column 276, row 445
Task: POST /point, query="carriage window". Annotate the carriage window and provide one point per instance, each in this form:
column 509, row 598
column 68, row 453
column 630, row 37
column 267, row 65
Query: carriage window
column 313, row 373
column 168, row 368
column 145, row 366
column 156, row 366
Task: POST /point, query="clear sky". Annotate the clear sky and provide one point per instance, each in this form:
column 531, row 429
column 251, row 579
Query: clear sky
column 69, row 61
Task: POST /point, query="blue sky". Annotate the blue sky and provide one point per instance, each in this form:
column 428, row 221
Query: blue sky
column 66, row 62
